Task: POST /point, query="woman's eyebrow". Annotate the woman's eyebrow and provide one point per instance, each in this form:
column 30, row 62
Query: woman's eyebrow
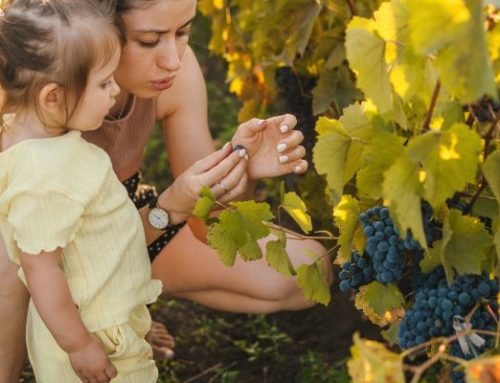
column 161, row 31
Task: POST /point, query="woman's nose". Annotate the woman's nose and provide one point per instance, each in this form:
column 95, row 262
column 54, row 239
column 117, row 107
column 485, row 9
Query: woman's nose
column 169, row 57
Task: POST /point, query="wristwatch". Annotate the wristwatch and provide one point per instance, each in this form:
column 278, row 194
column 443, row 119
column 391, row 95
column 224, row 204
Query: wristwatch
column 157, row 216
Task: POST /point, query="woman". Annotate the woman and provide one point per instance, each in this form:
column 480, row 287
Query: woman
column 160, row 79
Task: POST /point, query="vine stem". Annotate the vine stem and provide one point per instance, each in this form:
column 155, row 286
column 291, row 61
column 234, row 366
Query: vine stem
column 489, row 135
column 292, row 233
column 296, row 235
column 435, row 95
column 352, row 7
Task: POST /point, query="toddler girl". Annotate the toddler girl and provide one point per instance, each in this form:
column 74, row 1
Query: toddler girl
column 65, row 217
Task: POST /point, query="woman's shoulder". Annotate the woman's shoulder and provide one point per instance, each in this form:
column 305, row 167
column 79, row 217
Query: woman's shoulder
column 188, row 88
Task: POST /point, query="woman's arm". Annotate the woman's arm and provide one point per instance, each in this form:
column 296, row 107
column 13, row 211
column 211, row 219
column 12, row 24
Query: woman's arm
column 52, row 298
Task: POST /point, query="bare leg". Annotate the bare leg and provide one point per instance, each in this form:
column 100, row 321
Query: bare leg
column 13, row 309
column 190, row 269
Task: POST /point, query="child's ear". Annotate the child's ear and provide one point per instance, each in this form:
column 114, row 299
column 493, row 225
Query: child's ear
column 51, row 98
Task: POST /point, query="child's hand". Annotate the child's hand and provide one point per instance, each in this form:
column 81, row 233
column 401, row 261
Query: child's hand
column 91, row 364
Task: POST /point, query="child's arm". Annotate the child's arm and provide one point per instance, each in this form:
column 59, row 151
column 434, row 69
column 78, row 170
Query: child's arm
column 52, row 298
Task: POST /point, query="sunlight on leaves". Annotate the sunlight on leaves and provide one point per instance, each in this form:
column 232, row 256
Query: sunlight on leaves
column 372, row 363
column 297, row 209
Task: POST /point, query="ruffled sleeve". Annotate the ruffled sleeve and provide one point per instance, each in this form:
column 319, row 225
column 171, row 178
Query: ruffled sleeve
column 44, row 221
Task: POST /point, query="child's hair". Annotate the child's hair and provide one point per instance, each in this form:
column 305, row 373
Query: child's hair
column 45, row 41
column 123, row 6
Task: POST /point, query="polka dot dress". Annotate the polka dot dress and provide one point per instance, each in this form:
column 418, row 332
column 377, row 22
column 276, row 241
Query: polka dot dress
column 141, row 194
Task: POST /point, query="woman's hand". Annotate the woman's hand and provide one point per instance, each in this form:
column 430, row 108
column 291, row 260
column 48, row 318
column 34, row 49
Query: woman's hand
column 273, row 146
column 91, row 363
column 224, row 171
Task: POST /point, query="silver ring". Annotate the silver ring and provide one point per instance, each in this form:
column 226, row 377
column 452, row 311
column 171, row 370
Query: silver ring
column 224, row 188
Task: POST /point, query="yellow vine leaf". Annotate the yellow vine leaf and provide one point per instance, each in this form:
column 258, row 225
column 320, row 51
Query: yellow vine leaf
column 371, row 362
column 297, row 209
column 449, row 159
column 402, row 192
column 381, row 304
column 491, row 170
column 484, row 370
column 346, row 217
column 366, row 55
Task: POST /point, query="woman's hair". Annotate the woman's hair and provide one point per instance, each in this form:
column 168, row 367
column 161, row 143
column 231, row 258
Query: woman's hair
column 123, row 6
column 52, row 41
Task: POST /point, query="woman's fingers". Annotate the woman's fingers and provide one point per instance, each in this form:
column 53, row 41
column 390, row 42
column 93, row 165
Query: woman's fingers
column 223, row 168
column 227, row 184
column 284, row 123
column 212, row 159
column 292, row 155
column 111, row 372
column 298, row 167
column 238, row 190
column 290, row 142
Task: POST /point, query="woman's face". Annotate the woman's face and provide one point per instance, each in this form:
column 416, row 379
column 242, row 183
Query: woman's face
column 156, row 41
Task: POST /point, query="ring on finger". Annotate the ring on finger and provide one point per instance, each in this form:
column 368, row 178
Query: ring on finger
column 224, row 188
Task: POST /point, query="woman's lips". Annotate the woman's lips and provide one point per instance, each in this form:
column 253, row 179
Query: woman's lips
column 163, row 84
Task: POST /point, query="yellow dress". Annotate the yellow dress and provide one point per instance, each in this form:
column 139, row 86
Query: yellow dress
column 62, row 192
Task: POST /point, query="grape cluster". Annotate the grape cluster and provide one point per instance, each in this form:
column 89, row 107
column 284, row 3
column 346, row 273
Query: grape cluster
column 384, row 247
column 481, row 110
column 436, row 304
column 356, row 273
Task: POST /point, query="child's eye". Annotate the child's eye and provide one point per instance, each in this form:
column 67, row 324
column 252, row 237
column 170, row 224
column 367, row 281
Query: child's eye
column 106, row 84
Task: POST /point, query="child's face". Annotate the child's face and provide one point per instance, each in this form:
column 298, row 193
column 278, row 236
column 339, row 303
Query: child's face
column 98, row 98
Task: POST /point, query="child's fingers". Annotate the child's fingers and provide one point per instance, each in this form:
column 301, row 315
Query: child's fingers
column 111, row 372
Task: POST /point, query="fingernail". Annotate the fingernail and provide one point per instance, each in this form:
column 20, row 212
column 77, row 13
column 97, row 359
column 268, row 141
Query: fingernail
column 281, row 147
column 246, row 157
column 297, row 169
column 260, row 122
column 284, row 128
column 242, row 153
column 283, row 159
column 226, row 145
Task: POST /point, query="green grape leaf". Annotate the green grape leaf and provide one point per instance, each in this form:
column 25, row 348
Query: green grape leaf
column 334, row 86
column 232, row 224
column 449, row 160
column 402, row 192
column 278, row 259
column 468, row 243
column 381, row 304
column 371, row 362
column 391, row 334
column 225, row 246
column 365, row 52
column 359, row 128
column 329, row 155
column 435, row 23
column 346, row 216
column 494, row 49
column 377, row 157
column 297, row 209
column 253, row 214
column 491, row 170
column 455, row 28
column 312, row 281
column 204, row 204
column 250, row 251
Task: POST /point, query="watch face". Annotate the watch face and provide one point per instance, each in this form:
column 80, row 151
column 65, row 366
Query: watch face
column 158, row 218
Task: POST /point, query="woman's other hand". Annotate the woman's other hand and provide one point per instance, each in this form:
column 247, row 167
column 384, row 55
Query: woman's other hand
column 224, row 171
column 273, row 146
